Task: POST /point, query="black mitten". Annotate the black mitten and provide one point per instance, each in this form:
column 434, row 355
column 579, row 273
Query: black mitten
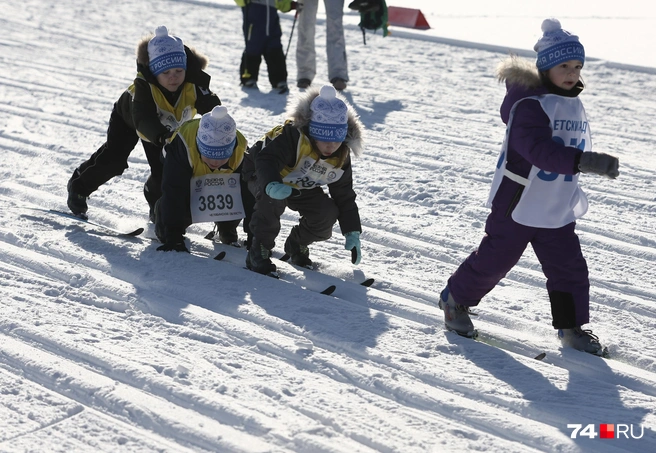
column 600, row 164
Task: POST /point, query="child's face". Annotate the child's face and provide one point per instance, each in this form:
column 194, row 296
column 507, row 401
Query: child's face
column 328, row 148
column 566, row 74
column 214, row 163
column 172, row 79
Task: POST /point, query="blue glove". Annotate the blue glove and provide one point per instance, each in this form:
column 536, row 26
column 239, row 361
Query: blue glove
column 353, row 244
column 278, row 190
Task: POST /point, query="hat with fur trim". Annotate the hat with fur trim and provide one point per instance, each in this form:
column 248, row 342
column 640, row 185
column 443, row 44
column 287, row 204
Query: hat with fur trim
column 165, row 52
column 557, row 46
column 329, row 121
column 217, row 134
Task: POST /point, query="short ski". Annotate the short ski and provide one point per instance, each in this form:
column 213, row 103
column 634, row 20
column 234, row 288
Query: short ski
column 331, row 289
column 328, row 291
column 71, row 216
column 368, row 282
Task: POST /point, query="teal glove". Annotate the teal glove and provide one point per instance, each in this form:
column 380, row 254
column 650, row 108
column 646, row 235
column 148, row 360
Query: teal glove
column 278, row 190
column 353, row 244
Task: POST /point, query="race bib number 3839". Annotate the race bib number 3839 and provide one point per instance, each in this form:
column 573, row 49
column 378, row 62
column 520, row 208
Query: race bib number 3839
column 216, row 198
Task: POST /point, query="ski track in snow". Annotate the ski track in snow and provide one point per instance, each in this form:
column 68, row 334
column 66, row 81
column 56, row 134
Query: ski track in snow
column 107, row 345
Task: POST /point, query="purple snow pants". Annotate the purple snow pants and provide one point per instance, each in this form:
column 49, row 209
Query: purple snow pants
column 558, row 251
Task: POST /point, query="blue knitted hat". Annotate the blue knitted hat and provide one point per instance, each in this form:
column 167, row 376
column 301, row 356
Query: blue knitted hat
column 165, row 52
column 217, row 134
column 557, row 46
column 329, row 122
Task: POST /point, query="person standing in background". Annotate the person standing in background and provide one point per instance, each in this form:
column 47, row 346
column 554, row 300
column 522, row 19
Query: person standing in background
column 335, row 43
column 262, row 35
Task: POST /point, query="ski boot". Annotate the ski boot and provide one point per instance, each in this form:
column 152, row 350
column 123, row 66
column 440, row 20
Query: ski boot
column 258, row 259
column 76, row 203
column 298, row 253
column 582, row 340
column 456, row 316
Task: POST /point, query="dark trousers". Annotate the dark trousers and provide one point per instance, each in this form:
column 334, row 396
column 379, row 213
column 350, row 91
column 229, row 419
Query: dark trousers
column 558, row 251
column 318, row 215
column 111, row 159
column 262, row 36
column 165, row 233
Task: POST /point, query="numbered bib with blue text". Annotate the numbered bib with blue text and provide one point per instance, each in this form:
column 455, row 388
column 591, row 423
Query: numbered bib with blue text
column 310, row 173
column 216, row 198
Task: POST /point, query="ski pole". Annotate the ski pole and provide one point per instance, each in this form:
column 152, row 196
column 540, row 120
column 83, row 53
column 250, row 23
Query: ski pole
column 292, row 33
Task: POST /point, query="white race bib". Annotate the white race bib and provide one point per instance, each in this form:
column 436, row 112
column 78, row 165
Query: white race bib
column 310, row 173
column 549, row 200
column 216, row 198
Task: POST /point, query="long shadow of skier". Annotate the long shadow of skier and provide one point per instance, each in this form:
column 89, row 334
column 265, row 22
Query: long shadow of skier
column 582, row 390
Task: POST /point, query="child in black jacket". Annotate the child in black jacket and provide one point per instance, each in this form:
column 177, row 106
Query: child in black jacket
column 170, row 89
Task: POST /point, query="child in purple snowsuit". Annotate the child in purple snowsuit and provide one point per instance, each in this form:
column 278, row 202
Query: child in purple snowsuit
column 535, row 197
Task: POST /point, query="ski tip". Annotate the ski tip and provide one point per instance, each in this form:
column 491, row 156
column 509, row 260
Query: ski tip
column 540, row 356
column 328, row 291
column 368, row 282
column 136, row 232
column 220, row 256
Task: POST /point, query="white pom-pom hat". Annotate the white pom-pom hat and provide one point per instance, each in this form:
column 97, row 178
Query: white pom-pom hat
column 329, row 121
column 165, row 52
column 557, row 46
column 217, row 134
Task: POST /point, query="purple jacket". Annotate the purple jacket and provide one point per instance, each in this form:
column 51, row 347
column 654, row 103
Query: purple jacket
column 530, row 143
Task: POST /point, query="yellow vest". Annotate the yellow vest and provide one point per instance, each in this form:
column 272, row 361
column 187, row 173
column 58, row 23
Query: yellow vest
column 303, row 150
column 188, row 132
column 172, row 116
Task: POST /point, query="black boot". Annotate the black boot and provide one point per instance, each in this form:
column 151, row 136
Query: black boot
column 249, row 70
column 160, row 229
column 152, row 192
column 258, row 258
column 228, row 234
column 298, row 253
column 76, row 203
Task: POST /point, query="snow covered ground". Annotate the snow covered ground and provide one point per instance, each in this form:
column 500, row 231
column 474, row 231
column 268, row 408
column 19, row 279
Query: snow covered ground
column 107, row 345
column 620, row 34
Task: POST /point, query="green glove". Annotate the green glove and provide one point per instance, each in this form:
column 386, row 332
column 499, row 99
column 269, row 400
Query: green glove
column 284, row 5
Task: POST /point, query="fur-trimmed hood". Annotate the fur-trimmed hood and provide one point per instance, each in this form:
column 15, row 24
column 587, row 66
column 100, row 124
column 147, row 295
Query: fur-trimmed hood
column 519, row 71
column 301, row 115
column 143, row 59
column 522, row 80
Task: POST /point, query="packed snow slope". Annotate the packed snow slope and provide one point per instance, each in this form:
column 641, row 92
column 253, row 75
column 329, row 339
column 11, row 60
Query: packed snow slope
column 108, row 345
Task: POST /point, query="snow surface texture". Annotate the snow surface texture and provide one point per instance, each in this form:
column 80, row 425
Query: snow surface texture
column 107, row 345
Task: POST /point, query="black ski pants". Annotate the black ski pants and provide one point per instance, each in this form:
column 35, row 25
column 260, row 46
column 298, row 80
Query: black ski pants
column 318, row 215
column 111, row 159
column 262, row 35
